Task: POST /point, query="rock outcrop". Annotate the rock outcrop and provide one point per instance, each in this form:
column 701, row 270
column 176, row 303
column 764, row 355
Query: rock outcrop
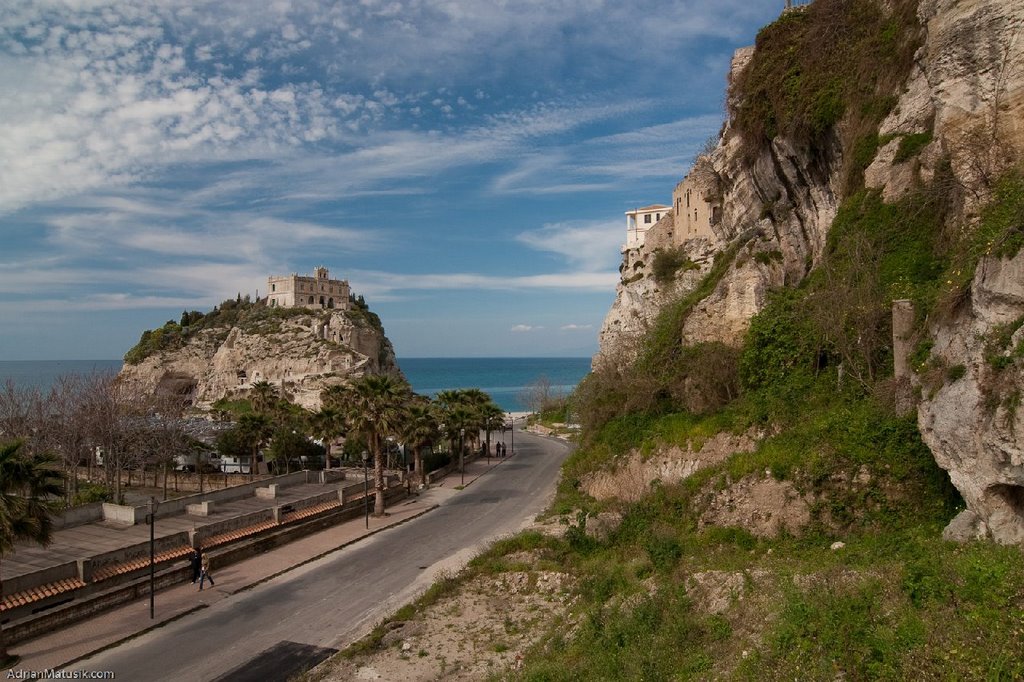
column 776, row 208
column 968, row 88
column 964, row 104
column 301, row 353
column 973, row 423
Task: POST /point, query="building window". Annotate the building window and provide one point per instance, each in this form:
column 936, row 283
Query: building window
column 273, row 287
column 647, row 218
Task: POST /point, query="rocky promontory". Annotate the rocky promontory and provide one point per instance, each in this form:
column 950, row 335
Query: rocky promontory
column 222, row 354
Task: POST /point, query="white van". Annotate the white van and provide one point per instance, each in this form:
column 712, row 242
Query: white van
column 236, row 465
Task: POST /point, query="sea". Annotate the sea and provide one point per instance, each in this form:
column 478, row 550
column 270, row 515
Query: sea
column 506, row 380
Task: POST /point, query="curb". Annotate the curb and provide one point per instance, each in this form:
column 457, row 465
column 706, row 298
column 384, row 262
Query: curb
column 128, row 638
column 321, row 555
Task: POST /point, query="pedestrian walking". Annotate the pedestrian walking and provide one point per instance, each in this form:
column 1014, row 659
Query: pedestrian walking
column 205, row 573
column 196, row 562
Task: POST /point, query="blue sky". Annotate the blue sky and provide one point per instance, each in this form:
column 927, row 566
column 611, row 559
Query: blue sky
column 464, row 164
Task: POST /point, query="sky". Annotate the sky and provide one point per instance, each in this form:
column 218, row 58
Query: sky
column 464, row 164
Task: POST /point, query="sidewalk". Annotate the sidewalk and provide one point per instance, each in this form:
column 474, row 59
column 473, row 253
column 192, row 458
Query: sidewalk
column 63, row 647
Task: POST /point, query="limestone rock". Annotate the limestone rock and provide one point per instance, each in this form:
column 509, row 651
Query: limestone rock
column 964, row 527
column 763, row 506
column 302, row 354
column 971, row 425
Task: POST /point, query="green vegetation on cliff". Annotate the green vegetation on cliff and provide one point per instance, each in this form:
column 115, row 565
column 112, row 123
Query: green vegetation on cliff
column 674, row 592
column 250, row 316
column 683, row 582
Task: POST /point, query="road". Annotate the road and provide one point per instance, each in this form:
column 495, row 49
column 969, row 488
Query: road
column 301, row 617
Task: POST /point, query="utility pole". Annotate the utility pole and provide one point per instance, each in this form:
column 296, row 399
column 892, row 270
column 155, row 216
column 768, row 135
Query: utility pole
column 151, row 519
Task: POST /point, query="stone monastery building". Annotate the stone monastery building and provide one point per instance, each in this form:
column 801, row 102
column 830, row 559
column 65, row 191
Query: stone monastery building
column 695, row 210
column 300, row 291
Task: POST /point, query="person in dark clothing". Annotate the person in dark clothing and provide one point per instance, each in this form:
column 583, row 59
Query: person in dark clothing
column 196, row 562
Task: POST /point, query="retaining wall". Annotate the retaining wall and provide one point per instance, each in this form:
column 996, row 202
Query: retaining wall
column 234, row 523
column 49, row 574
column 136, row 551
column 77, row 516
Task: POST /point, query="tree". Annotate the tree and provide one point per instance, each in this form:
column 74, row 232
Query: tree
column 264, row 397
column 493, row 419
column 30, row 490
column 421, row 429
column 374, row 408
column 254, row 430
column 327, row 424
column 289, row 444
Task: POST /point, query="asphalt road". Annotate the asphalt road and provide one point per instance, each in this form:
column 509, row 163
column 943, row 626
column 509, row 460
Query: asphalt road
column 300, row 618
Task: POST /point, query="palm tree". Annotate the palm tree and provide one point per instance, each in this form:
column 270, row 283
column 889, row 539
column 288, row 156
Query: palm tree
column 327, row 424
column 30, row 490
column 421, row 428
column 256, row 430
column 475, row 402
column 493, row 418
column 374, row 408
column 263, row 396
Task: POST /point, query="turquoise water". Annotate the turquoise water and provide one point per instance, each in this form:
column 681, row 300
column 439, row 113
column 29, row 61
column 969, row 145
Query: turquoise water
column 504, row 379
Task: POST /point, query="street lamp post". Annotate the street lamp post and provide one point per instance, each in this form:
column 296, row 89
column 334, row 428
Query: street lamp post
column 366, row 488
column 512, row 420
column 151, row 520
column 462, row 453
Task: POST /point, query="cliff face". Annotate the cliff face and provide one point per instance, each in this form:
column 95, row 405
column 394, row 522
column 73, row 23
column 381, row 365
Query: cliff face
column 964, row 105
column 304, row 352
column 970, row 80
column 778, row 205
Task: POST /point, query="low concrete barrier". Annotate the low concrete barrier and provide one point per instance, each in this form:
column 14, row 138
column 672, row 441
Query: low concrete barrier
column 204, row 508
column 235, row 492
column 50, row 574
column 268, row 493
column 77, row 516
column 90, row 565
column 119, row 513
column 332, row 476
column 244, row 521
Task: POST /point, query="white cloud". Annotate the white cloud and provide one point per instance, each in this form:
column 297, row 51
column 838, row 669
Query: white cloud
column 576, row 327
column 524, row 328
column 586, row 244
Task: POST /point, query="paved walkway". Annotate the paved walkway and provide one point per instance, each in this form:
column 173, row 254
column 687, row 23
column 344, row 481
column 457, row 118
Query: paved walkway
column 75, row 642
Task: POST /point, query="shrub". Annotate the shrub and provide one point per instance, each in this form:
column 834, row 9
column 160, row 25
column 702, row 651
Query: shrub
column 811, row 68
column 668, row 262
column 911, row 145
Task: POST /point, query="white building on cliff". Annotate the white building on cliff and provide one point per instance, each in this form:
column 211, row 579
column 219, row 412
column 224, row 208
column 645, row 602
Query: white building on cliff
column 300, row 291
column 639, row 220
